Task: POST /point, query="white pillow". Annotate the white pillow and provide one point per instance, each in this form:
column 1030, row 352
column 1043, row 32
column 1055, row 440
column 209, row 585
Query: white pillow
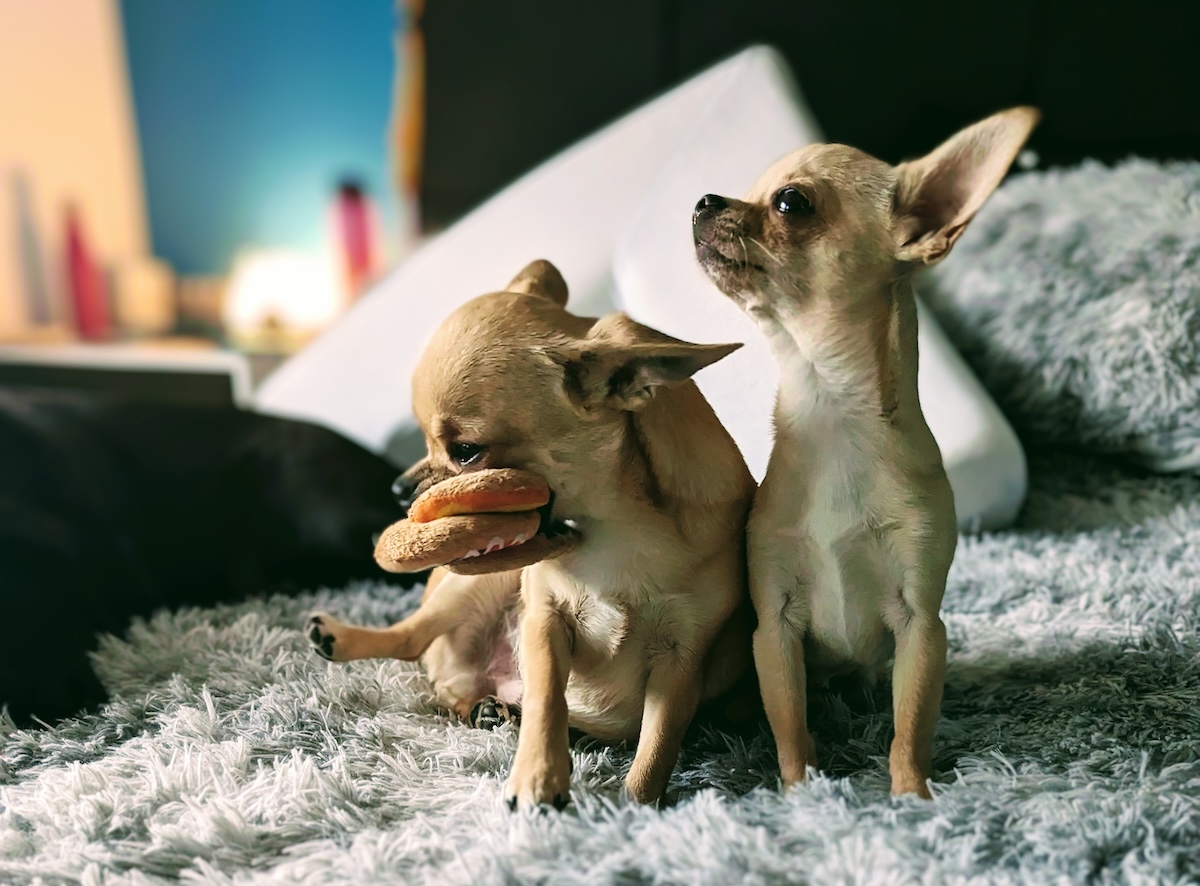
column 755, row 119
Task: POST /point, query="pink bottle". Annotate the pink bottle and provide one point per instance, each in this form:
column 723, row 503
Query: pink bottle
column 354, row 228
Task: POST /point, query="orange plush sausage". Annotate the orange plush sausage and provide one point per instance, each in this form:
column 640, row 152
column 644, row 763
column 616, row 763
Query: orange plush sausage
column 495, row 491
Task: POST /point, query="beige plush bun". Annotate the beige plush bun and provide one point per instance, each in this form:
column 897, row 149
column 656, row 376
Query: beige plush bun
column 538, row 548
column 409, row 546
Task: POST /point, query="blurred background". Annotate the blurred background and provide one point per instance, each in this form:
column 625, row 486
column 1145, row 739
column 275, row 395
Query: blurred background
column 230, row 175
column 201, row 174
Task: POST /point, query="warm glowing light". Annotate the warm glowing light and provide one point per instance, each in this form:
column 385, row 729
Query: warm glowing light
column 277, row 299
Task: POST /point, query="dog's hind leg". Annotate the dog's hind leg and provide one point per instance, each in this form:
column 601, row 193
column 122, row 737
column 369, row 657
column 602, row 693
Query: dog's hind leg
column 472, row 667
column 449, row 601
column 491, row 712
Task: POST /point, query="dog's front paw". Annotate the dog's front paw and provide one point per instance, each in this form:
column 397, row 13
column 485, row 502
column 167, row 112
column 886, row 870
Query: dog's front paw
column 910, row 773
column 545, row 783
column 646, row 784
column 910, row 782
column 796, row 759
column 323, row 632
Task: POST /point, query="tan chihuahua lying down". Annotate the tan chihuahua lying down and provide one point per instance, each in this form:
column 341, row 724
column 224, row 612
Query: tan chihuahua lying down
column 623, row 636
column 853, row 530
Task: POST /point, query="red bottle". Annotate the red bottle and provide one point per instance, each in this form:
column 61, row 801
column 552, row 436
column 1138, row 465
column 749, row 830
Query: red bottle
column 89, row 297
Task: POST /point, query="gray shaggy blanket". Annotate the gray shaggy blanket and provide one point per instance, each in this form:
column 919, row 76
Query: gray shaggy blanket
column 1075, row 295
column 1069, row 749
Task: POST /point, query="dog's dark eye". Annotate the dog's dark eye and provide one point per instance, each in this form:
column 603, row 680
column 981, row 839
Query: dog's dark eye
column 792, row 201
column 465, row 453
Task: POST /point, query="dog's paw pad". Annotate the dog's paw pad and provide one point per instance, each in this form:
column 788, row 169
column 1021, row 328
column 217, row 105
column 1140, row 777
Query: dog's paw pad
column 320, row 637
column 491, row 713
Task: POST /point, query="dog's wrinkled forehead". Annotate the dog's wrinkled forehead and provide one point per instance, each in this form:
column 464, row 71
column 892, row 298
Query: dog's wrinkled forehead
column 491, row 349
column 832, row 171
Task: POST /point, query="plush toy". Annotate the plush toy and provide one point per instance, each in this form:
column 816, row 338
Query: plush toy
column 484, row 521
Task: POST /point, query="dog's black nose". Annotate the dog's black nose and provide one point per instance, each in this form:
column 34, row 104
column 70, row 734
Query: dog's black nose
column 404, row 489
column 710, row 203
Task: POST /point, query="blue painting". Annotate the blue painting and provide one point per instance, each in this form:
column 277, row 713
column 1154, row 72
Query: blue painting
column 249, row 114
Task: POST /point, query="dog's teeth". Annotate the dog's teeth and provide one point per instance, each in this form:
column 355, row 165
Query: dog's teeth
column 520, row 539
column 494, row 545
column 469, row 554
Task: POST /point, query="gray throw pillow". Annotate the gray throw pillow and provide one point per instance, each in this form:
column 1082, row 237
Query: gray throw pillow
column 1075, row 295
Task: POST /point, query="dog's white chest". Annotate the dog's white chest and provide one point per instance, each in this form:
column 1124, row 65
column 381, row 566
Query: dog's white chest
column 825, row 462
column 838, row 492
column 825, row 542
column 612, row 639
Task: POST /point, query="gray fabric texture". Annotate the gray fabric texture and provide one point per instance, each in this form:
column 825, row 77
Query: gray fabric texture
column 1068, row 752
column 1075, row 296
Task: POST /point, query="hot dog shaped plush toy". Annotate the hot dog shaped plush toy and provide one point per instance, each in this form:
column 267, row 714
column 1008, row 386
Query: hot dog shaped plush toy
column 484, row 521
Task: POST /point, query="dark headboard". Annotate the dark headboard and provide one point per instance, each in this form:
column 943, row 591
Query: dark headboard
column 510, row 84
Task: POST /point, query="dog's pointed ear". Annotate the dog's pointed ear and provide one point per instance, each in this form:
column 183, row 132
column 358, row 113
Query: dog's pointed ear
column 937, row 195
column 541, row 278
column 626, row 377
column 622, row 364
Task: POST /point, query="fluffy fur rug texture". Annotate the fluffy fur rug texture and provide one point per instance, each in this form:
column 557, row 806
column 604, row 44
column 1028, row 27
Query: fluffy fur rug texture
column 1068, row 752
column 1075, row 295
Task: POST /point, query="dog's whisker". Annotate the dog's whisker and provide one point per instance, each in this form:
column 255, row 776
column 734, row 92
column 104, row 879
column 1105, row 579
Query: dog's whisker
column 745, row 253
column 772, row 256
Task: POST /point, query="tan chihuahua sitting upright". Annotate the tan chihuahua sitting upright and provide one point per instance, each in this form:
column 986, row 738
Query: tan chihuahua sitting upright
column 623, row 636
column 853, row 530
